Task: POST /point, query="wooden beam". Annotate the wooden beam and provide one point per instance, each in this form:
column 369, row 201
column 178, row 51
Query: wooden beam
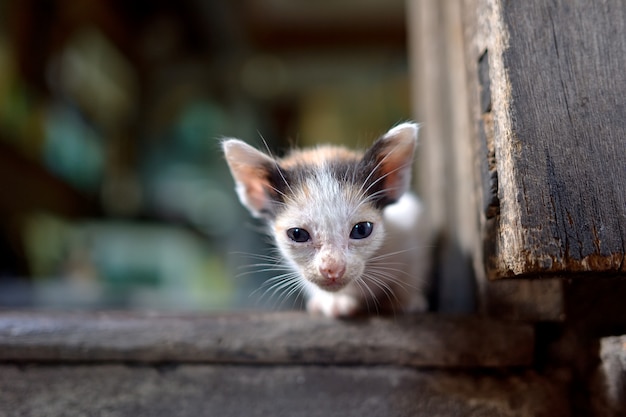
column 312, row 391
column 280, row 338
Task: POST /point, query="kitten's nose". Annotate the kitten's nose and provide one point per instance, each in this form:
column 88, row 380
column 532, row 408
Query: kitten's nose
column 333, row 271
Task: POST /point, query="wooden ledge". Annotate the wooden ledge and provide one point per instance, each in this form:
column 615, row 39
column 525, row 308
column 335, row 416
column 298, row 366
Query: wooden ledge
column 426, row 340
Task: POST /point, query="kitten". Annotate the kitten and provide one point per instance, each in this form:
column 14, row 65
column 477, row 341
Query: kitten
column 342, row 220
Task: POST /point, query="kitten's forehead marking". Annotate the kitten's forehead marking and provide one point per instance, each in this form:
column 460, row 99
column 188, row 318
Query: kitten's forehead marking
column 328, row 175
column 326, row 178
column 319, row 156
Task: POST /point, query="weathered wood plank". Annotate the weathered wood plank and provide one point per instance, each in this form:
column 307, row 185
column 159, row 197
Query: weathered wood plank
column 237, row 391
column 557, row 85
column 457, row 164
column 276, row 338
column 568, row 135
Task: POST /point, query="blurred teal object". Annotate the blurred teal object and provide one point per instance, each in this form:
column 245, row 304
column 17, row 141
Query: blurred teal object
column 199, row 126
column 126, row 265
column 73, row 149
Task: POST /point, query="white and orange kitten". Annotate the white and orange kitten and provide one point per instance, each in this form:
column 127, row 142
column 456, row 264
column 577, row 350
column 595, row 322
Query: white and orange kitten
column 342, row 220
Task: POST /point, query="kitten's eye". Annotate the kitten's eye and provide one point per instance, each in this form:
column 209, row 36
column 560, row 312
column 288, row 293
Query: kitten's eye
column 298, row 235
column 361, row 230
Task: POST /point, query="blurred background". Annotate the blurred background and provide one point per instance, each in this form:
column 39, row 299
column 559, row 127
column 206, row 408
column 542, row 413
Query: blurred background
column 113, row 189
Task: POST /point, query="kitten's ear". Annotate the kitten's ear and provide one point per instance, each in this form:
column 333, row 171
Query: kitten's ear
column 392, row 155
column 251, row 170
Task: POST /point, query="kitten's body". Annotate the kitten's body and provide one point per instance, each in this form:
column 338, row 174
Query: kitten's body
column 342, row 221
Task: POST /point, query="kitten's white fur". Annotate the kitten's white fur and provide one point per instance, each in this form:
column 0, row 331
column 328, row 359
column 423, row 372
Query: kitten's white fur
column 342, row 275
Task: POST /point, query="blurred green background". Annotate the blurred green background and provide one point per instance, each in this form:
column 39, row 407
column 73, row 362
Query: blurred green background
column 113, row 190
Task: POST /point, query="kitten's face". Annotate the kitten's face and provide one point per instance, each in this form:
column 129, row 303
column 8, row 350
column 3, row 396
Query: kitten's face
column 328, row 231
column 325, row 204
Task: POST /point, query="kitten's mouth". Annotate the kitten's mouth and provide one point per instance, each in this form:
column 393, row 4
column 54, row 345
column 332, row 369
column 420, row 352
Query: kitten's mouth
column 331, row 285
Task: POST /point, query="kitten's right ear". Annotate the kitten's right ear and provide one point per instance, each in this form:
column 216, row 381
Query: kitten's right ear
column 392, row 156
column 251, row 170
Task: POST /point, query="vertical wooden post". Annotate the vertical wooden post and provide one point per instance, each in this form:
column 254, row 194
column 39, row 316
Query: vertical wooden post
column 445, row 170
column 556, row 80
column 523, row 157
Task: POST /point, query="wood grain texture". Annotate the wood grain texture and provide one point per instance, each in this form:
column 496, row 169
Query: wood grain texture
column 115, row 390
column 558, row 88
column 278, row 338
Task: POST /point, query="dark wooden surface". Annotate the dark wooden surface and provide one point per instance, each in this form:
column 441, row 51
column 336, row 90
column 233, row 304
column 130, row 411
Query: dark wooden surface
column 275, row 364
column 557, row 86
column 117, row 390
column 276, row 338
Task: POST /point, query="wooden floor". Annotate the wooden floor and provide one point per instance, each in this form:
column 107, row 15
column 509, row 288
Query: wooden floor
column 279, row 364
column 228, row 390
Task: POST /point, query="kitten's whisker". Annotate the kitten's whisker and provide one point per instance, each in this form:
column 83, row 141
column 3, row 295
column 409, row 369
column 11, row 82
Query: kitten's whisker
column 398, row 252
column 362, row 284
column 384, row 287
column 289, row 291
column 362, row 193
column 363, row 198
column 262, row 267
column 387, row 263
column 285, row 196
column 358, row 285
column 391, row 298
column 388, row 277
column 258, row 271
column 265, row 265
column 276, row 281
column 377, row 193
column 278, row 291
column 276, row 257
column 280, row 172
column 296, row 292
column 277, row 278
column 252, row 255
column 391, row 278
column 382, row 177
column 389, row 270
column 373, row 171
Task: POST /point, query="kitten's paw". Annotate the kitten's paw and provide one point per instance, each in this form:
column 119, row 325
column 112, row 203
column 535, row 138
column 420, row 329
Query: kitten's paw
column 334, row 305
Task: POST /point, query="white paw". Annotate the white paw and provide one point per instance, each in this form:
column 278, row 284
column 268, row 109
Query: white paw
column 333, row 305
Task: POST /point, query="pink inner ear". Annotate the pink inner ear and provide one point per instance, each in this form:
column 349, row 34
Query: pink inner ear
column 253, row 187
column 392, row 156
column 397, row 173
column 397, row 161
column 249, row 168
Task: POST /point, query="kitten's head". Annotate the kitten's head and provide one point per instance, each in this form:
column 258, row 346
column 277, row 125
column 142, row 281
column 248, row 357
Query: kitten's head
column 325, row 205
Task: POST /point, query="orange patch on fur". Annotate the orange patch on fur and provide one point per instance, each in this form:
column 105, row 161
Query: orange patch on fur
column 317, row 156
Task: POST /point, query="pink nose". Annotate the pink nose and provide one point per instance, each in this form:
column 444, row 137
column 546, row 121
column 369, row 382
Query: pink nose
column 333, row 272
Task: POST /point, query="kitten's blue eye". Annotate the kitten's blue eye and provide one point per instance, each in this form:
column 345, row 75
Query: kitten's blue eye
column 298, row 235
column 361, row 230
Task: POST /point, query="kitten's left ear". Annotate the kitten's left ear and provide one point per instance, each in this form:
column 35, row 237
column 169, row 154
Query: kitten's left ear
column 393, row 156
column 251, row 170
